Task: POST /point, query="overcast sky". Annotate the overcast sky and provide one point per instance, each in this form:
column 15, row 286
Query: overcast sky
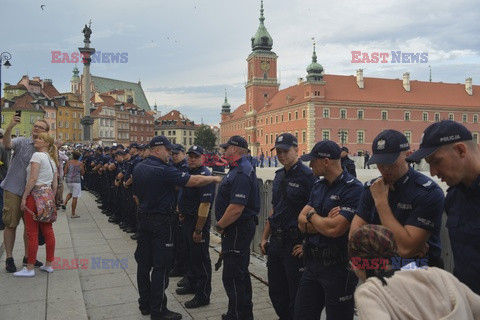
column 187, row 52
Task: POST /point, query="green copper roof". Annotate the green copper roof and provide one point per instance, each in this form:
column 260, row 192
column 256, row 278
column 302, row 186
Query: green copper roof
column 75, row 76
column 106, row 84
column 226, row 105
column 314, row 67
column 262, row 39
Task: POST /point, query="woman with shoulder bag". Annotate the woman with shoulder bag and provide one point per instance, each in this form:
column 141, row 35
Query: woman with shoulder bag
column 38, row 202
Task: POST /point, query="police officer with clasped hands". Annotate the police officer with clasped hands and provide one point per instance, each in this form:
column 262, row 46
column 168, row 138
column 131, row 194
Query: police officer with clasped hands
column 155, row 182
column 326, row 281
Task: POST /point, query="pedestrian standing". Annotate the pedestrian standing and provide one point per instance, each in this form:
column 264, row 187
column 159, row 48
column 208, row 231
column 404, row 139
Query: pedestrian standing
column 74, row 170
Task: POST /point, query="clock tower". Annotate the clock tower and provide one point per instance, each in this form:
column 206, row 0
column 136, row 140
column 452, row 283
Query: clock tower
column 262, row 81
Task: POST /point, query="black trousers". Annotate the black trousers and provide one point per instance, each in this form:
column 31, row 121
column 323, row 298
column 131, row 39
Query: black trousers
column 236, row 241
column 154, row 254
column 284, row 273
column 199, row 264
column 329, row 287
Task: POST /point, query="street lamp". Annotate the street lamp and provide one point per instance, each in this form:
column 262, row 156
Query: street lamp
column 342, row 134
column 4, row 56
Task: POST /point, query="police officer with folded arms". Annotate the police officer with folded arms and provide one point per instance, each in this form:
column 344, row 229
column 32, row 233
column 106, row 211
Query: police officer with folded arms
column 155, row 182
column 194, row 204
column 236, row 208
column 291, row 189
column 454, row 157
column 404, row 200
column 326, row 282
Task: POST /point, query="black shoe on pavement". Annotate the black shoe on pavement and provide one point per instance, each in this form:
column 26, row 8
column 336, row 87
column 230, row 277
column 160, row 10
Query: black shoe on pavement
column 183, row 282
column 10, row 265
column 196, row 303
column 134, row 236
column 37, row 264
column 185, row 290
column 130, row 230
column 144, row 312
column 175, row 273
column 167, row 315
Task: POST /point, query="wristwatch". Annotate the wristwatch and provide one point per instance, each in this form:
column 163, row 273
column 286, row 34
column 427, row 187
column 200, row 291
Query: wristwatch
column 198, row 231
column 309, row 216
column 217, row 227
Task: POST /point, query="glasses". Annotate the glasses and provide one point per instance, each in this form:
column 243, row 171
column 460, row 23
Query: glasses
column 39, row 127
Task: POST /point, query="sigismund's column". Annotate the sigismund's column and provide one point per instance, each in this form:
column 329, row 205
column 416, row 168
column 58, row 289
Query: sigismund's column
column 86, row 54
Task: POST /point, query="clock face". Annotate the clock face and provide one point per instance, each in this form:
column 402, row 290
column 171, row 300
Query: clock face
column 265, row 65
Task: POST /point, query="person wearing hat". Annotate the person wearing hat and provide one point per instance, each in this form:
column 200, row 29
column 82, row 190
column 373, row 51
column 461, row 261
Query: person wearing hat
column 291, row 189
column 347, row 163
column 131, row 208
column 403, row 200
column 194, row 205
column 326, row 282
column 389, row 293
column 116, row 189
column 179, row 161
column 236, row 208
column 155, row 182
column 454, row 157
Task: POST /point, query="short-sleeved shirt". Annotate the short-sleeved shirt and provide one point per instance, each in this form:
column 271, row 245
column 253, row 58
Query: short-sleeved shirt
column 462, row 206
column 290, row 193
column 345, row 193
column 239, row 186
column 47, row 168
column 416, row 200
column 16, row 178
column 191, row 197
column 155, row 183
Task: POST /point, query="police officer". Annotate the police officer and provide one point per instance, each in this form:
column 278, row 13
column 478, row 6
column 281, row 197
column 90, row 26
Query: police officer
column 291, row 189
column 155, row 183
column 135, row 159
column 236, row 208
column 194, row 205
column 179, row 161
column 326, row 282
column 454, row 157
column 347, row 163
column 403, row 200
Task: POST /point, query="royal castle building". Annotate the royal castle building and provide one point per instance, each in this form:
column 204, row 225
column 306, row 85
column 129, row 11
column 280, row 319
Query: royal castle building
column 350, row 110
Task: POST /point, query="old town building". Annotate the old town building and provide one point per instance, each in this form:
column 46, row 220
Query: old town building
column 350, row 110
column 177, row 128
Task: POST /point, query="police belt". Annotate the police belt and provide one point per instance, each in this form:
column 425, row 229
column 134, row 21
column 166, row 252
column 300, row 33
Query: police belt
column 326, row 256
column 283, row 236
column 154, row 215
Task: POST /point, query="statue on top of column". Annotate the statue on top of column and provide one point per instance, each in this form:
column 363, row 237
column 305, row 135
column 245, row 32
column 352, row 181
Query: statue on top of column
column 87, row 31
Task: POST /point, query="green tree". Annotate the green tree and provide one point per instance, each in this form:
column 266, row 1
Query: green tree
column 205, row 137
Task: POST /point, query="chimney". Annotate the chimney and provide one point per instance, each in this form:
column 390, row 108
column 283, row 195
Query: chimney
column 360, row 83
column 36, row 79
column 468, row 86
column 406, row 81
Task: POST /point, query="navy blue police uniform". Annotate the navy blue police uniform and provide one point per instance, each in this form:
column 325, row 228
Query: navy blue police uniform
column 199, row 273
column 155, row 183
column 239, row 186
column 326, row 281
column 415, row 200
column 290, row 193
column 463, row 222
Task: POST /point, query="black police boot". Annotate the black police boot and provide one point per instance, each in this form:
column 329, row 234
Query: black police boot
column 134, row 236
column 167, row 315
column 196, row 303
column 185, row 290
column 183, row 282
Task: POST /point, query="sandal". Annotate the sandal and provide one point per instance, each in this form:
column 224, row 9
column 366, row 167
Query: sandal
column 75, row 216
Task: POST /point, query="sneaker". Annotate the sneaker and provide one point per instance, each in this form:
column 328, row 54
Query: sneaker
column 10, row 265
column 37, row 263
column 46, row 269
column 64, row 207
column 2, row 226
column 24, row 273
